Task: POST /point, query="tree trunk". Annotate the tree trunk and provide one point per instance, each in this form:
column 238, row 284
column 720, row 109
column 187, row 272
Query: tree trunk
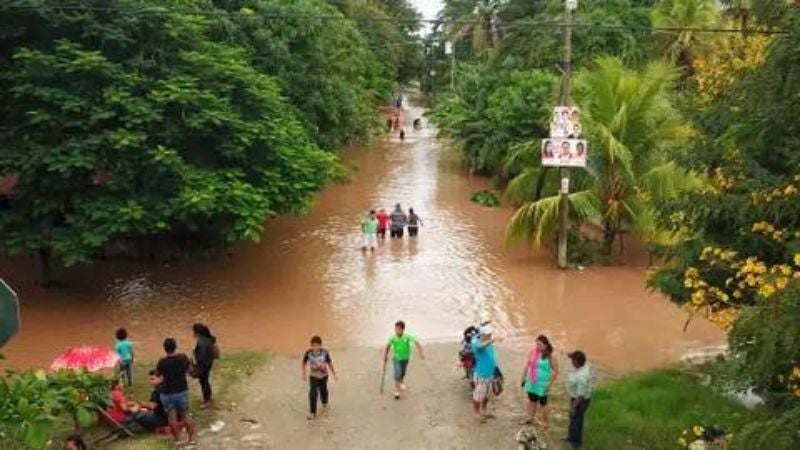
column 45, row 269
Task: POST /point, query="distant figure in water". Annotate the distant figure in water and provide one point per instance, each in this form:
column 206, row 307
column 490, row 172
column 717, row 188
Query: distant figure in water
column 397, row 122
column 414, row 222
column 389, row 124
column 369, row 230
column 402, row 135
column 417, row 123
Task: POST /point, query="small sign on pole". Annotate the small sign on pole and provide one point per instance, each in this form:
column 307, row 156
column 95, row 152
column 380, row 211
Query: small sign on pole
column 565, row 185
column 566, row 122
column 564, row 152
column 448, row 47
column 572, row 5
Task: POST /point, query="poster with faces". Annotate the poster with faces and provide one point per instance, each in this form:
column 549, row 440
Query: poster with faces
column 565, row 122
column 564, row 152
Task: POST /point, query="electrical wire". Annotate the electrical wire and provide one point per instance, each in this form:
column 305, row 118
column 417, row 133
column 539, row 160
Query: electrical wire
column 279, row 16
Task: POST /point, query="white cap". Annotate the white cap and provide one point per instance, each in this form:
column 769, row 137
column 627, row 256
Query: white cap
column 485, row 330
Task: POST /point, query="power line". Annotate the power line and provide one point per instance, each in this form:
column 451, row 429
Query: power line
column 279, row 16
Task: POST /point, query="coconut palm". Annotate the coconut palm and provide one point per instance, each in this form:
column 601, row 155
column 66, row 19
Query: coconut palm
column 633, row 134
column 476, row 20
column 686, row 17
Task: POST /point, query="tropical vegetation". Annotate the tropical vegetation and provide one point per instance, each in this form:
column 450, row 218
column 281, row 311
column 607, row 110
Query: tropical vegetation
column 688, row 108
column 131, row 126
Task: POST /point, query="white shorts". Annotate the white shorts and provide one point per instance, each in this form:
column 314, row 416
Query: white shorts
column 370, row 240
column 483, row 388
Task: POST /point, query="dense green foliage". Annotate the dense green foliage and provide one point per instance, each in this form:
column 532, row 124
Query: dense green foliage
column 131, row 120
column 692, row 145
column 33, row 403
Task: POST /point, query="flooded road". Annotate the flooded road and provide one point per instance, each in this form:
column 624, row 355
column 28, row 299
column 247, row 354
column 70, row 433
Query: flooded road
column 308, row 276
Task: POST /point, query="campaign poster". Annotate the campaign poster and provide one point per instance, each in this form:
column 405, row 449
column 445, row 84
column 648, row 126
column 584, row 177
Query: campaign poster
column 564, row 152
column 566, row 122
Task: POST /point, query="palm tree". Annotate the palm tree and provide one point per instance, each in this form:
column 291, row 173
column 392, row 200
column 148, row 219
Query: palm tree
column 633, row 131
column 476, row 19
column 686, row 17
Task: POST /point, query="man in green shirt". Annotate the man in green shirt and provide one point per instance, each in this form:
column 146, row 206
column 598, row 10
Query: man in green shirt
column 369, row 229
column 400, row 344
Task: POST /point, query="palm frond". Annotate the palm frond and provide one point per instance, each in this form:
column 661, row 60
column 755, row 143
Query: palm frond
column 537, row 221
column 667, row 180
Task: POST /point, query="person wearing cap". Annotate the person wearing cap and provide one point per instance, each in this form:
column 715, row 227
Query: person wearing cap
column 579, row 388
column 485, row 367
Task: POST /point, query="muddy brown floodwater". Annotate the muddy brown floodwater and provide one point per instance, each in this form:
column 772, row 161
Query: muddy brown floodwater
column 308, row 276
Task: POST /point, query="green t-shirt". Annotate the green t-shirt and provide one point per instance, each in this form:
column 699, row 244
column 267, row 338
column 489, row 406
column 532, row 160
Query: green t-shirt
column 369, row 226
column 401, row 346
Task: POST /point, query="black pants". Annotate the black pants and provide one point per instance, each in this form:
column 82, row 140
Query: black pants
column 396, row 232
column 575, row 433
column 203, row 375
column 317, row 387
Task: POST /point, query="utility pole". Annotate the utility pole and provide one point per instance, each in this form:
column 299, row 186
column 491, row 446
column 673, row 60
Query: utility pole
column 564, row 100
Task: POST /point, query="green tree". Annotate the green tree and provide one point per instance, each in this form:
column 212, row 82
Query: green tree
column 126, row 126
column 687, row 17
column 633, row 133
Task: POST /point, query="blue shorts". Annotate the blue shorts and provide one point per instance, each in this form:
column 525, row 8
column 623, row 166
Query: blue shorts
column 400, row 367
column 176, row 402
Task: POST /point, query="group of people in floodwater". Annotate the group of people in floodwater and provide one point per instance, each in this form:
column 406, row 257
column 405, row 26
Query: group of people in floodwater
column 539, row 374
column 394, row 123
column 375, row 225
column 167, row 408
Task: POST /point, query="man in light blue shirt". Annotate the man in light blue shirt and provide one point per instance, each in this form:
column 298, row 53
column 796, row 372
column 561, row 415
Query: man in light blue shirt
column 485, row 367
column 579, row 387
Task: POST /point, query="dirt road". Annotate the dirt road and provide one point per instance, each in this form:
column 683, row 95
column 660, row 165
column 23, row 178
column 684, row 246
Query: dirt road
column 434, row 414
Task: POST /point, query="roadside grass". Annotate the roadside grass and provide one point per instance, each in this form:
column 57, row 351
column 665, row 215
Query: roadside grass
column 650, row 410
column 228, row 371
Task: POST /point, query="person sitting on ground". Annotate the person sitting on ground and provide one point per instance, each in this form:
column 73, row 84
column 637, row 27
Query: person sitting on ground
column 75, row 442
column 152, row 417
column 399, row 222
column 120, row 409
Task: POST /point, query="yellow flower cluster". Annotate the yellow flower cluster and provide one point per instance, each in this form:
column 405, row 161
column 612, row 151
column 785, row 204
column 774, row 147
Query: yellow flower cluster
column 720, row 182
column 794, row 381
column 778, row 193
column 748, row 278
column 730, row 57
column 770, row 231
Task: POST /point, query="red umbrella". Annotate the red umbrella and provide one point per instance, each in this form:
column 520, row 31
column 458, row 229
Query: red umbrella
column 92, row 359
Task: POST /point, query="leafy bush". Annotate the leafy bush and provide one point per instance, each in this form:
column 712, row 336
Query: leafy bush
column 32, row 403
column 486, row 198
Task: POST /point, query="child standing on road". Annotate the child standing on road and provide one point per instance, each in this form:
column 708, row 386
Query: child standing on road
column 124, row 349
column 400, row 344
column 319, row 363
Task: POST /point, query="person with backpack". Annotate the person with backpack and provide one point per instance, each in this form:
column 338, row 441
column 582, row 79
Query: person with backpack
column 205, row 352
column 539, row 374
column 399, row 221
column 400, row 344
column 319, row 363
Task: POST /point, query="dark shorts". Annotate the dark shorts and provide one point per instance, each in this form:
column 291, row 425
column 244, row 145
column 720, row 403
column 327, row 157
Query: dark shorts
column 176, row 402
column 400, row 368
column 540, row 399
column 412, row 231
column 396, row 233
column 382, row 232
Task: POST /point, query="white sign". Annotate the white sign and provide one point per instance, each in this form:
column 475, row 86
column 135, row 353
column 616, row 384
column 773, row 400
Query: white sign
column 564, row 152
column 572, row 5
column 565, row 122
column 565, row 185
column 448, row 47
